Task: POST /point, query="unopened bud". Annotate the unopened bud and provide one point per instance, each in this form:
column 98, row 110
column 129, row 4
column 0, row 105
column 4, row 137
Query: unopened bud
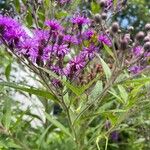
column 115, row 27
column 97, row 18
column 147, row 39
column 140, row 36
column 147, row 27
column 102, row 3
column 104, row 16
column 123, row 44
column 147, row 46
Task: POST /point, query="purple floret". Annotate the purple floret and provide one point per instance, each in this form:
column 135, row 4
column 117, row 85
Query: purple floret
column 138, row 51
column 135, row 69
column 105, row 39
column 89, row 52
column 75, row 65
column 80, row 20
column 53, row 24
column 88, row 34
column 61, row 50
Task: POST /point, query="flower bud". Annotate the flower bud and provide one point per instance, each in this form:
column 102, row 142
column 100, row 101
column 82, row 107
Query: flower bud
column 140, row 36
column 147, row 39
column 147, row 27
column 97, row 18
column 123, row 44
column 147, row 46
column 102, row 3
column 104, row 16
column 115, row 27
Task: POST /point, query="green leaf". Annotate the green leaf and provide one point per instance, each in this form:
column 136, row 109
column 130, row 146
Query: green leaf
column 29, row 19
column 7, row 113
column 117, row 96
column 109, row 51
column 123, row 93
column 141, row 80
column 47, row 2
column 41, row 138
column 115, row 2
column 31, row 90
column 7, row 71
column 95, row 7
column 98, row 88
column 57, row 124
column 17, row 5
column 61, row 14
column 106, row 68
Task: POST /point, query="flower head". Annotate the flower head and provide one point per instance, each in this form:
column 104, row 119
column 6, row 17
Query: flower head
column 70, row 39
column 89, row 52
column 53, row 24
column 61, row 50
column 75, row 65
column 88, row 34
column 11, row 31
column 138, row 50
column 135, row 69
column 105, row 39
column 80, row 20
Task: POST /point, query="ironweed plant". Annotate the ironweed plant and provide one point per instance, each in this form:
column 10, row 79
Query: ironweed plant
column 94, row 72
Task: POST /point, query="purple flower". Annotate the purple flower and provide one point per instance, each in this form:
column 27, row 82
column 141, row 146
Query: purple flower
column 57, row 70
column 11, row 31
column 56, row 83
column 104, row 38
column 88, row 52
column 88, row 34
column 41, row 36
column 147, row 54
column 138, row 50
column 25, row 46
column 114, row 136
column 70, row 39
column 53, row 24
column 61, row 50
column 33, row 54
column 47, row 51
column 80, row 20
column 75, row 65
column 135, row 69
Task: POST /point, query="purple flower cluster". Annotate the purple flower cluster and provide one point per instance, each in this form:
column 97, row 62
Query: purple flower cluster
column 52, row 46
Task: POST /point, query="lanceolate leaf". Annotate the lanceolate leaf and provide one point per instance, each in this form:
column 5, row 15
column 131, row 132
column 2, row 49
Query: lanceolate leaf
column 106, row 68
column 123, row 93
column 57, row 124
column 31, row 90
column 109, row 51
